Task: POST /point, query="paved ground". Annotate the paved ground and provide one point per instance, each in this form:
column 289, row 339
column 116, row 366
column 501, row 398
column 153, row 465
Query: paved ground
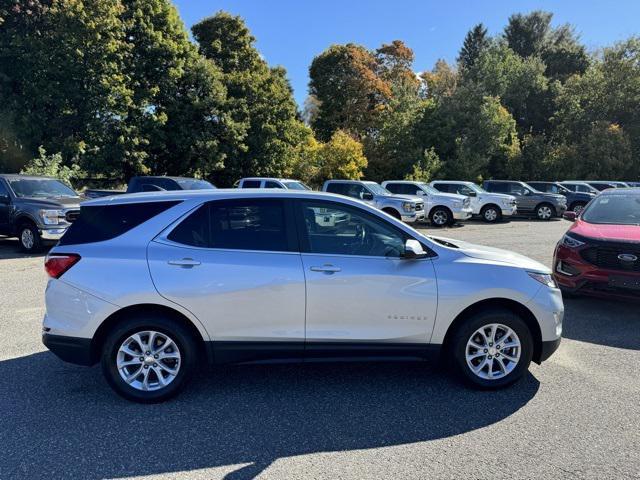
column 576, row 416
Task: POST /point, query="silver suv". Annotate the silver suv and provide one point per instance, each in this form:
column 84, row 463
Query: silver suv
column 155, row 285
column 441, row 209
column 407, row 208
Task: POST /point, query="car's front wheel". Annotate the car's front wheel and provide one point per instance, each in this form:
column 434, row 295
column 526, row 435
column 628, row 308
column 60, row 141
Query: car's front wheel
column 29, row 238
column 149, row 359
column 545, row 211
column 491, row 214
column 492, row 349
column 440, row 217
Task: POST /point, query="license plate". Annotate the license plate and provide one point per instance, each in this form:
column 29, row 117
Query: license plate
column 622, row 281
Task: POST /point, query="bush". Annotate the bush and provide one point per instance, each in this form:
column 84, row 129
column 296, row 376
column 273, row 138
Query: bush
column 51, row 166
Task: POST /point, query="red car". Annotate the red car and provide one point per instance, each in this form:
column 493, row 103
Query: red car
column 600, row 254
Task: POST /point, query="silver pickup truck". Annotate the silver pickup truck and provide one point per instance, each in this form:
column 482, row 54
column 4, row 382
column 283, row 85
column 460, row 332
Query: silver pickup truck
column 403, row 207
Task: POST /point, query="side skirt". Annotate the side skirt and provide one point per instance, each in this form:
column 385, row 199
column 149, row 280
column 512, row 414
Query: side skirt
column 296, row 352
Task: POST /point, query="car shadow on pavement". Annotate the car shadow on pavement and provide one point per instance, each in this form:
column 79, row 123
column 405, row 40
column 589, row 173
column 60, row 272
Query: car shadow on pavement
column 10, row 248
column 603, row 322
column 62, row 421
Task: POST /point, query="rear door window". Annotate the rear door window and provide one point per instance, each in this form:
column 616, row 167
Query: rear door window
column 271, row 184
column 105, row 222
column 251, row 184
column 253, row 224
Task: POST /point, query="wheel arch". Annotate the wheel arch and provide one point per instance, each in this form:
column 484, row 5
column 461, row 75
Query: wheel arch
column 440, row 205
column 498, row 303
column 545, row 202
column 121, row 315
column 392, row 211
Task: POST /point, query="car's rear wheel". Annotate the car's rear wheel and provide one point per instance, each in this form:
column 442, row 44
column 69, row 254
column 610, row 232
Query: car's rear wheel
column 491, row 213
column 492, row 349
column 149, row 360
column 29, row 238
column 545, row 211
column 440, row 217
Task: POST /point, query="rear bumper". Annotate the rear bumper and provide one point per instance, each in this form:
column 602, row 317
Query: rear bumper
column 70, row 349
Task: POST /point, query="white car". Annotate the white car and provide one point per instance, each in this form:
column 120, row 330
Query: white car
column 492, row 207
column 441, row 208
column 270, row 182
column 155, row 285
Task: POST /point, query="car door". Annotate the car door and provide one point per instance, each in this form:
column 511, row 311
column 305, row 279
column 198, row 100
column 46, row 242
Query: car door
column 235, row 265
column 5, row 208
column 362, row 296
column 525, row 201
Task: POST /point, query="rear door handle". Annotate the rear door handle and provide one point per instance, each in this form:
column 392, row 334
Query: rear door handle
column 326, row 269
column 185, row 262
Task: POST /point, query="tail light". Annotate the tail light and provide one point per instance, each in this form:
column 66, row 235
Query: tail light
column 58, row 263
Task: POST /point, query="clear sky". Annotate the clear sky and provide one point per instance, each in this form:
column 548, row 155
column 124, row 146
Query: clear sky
column 290, row 33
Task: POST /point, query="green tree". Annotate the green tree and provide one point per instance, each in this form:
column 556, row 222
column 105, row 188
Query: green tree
column 52, row 166
column 266, row 128
column 341, row 157
column 425, row 169
column 475, row 42
column 527, row 34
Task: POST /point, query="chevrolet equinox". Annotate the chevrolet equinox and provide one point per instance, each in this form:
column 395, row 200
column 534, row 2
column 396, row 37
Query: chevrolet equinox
column 154, row 285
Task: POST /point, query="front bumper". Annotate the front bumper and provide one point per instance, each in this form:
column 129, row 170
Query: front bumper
column 69, row 349
column 414, row 217
column 509, row 211
column 463, row 214
column 53, row 234
column 575, row 275
column 560, row 209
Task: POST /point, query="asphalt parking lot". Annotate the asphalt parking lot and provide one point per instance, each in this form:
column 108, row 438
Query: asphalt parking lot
column 576, row 416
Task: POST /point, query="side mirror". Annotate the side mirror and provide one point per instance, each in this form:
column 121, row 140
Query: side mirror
column 4, row 199
column 413, row 249
column 569, row 215
column 420, row 193
column 367, row 196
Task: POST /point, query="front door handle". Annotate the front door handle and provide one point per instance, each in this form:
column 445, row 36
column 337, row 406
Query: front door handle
column 184, row 262
column 326, row 269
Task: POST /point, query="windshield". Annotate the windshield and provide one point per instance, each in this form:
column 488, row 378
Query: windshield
column 193, row 184
column 614, row 209
column 377, row 189
column 475, row 187
column 296, row 186
column 40, row 187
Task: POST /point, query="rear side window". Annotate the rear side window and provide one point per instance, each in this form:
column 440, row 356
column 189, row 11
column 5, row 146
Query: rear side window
column 251, row 184
column 105, row 222
column 270, row 184
column 497, row 187
column 257, row 224
column 442, row 187
column 395, row 187
column 340, row 188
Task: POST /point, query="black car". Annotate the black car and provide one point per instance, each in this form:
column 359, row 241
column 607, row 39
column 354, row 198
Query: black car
column 576, row 201
column 154, row 184
column 36, row 210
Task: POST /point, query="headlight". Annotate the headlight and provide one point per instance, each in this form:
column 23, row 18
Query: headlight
column 408, row 206
column 507, row 202
column 51, row 217
column 570, row 242
column 457, row 204
column 543, row 278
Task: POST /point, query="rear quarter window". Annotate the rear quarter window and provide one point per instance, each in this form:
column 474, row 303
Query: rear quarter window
column 105, row 222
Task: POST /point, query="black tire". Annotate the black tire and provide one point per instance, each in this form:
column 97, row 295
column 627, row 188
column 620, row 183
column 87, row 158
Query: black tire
column 441, row 217
column 491, row 213
column 29, row 238
column 577, row 205
column 187, row 348
column 464, row 333
column 545, row 212
column 393, row 213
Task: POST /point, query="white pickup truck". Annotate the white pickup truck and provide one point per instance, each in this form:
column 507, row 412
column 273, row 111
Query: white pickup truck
column 442, row 209
column 492, row 207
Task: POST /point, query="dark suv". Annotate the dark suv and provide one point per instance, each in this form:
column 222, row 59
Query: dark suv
column 36, row 209
column 576, row 201
column 530, row 202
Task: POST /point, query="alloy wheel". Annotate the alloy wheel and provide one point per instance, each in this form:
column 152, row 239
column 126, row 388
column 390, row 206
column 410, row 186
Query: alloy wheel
column 493, row 351
column 440, row 218
column 27, row 239
column 148, row 360
column 545, row 212
column 490, row 215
